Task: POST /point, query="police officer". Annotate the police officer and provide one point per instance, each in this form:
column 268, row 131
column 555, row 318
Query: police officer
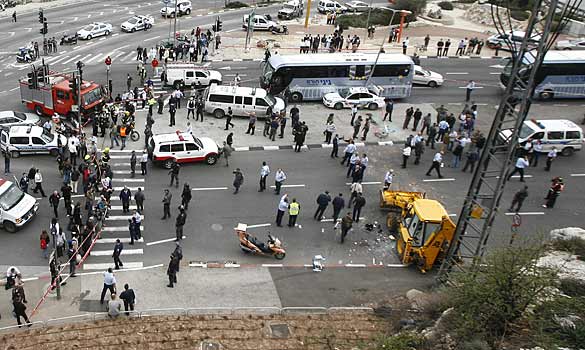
column 199, row 108
column 167, row 204
column 180, row 222
column 174, row 172
column 118, row 247
column 293, row 212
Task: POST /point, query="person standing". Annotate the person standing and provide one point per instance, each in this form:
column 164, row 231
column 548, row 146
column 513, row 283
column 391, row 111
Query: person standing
column 54, row 199
column 426, row 41
column 167, row 197
column 388, row 178
column 264, row 171
column 437, row 162
column 172, row 112
column 179, row 223
column 359, row 203
column 521, row 164
column 251, row 123
column 335, row 148
column 14, row 16
column 133, row 163
column 144, row 162
column 329, row 130
column 554, row 191
column 125, row 196
column 417, row 117
column 550, row 157
column 228, row 120
column 172, row 270
column 66, row 192
column 191, row 108
column 389, row 109
column 109, row 284
column 19, row 309
column 440, row 48
column 346, row 224
column 118, row 247
column 129, row 298
column 354, row 111
column 338, row 204
column 39, row 183
column 199, row 110
column 406, row 151
column 227, row 152
column 282, row 207
column 6, row 162
column 294, row 209
column 518, row 199
column 472, row 158
column 279, row 179
column 174, row 173
column 356, row 127
column 238, row 180
column 446, row 47
column 407, row 117
column 282, row 124
column 322, row 202
column 366, row 128
column 469, row 89
column 186, row 196
column 139, row 198
column 350, row 149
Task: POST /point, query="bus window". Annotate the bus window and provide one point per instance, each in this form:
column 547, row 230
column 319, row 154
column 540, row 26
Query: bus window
column 338, row 71
column 555, row 135
column 221, row 98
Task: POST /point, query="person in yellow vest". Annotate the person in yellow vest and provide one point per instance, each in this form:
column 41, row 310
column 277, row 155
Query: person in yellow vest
column 293, row 211
column 123, row 134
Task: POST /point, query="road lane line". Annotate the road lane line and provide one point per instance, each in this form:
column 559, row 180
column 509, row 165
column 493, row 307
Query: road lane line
column 60, row 59
column 272, row 265
column 153, row 38
column 355, row 265
column 120, row 188
column 121, row 217
column 258, row 225
column 124, row 252
column 339, row 219
column 104, row 266
column 118, row 229
column 119, row 207
column 163, row 241
column 366, row 183
column 288, row 186
column 438, row 180
column 70, row 60
column 208, row 188
column 127, row 180
column 271, row 148
column 577, row 175
column 526, row 213
column 457, row 73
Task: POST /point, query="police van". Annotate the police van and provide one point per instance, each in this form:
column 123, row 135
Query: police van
column 242, row 100
column 562, row 134
column 30, row 139
column 16, row 207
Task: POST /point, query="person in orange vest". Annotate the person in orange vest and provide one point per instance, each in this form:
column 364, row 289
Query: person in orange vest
column 123, row 134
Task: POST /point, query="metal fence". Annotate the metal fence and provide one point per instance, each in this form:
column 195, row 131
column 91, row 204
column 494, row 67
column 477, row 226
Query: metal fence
column 224, row 311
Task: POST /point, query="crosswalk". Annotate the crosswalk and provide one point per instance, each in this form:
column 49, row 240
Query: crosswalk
column 116, row 225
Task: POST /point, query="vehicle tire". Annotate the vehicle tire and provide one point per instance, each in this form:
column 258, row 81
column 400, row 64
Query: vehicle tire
column 188, row 11
column 135, row 135
column 9, row 226
column 373, row 106
column 15, row 154
column 88, row 37
column 54, row 152
column 214, row 82
column 39, row 111
column 296, row 97
column 107, row 33
column 279, row 256
column 219, row 113
column 546, row 95
column 132, row 30
column 338, row 105
column 432, row 84
column 567, row 151
column 167, row 164
column 211, row 159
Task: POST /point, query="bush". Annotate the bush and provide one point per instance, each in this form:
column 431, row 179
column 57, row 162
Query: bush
column 235, row 4
column 573, row 245
column 446, row 5
column 400, row 341
column 378, row 17
column 519, row 15
column 572, row 287
column 415, row 6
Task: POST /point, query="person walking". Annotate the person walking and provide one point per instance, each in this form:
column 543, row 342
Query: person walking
column 554, row 191
column 39, row 183
column 19, row 309
column 550, row 157
column 355, row 189
column 356, row 127
column 322, row 202
column 518, row 199
column 346, row 224
column 417, row 117
column 139, row 198
column 45, row 240
column 191, row 108
column 359, row 203
column 279, row 179
column 174, row 173
column 521, row 164
column 128, row 82
column 179, row 223
column 161, row 103
column 294, row 209
column 409, row 112
column 172, row 271
column 186, row 196
column 366, row 128
column 118, row 247
column 389, row 109
column 133, row 163
column 228, row 120
column 437, row 162
column 354, row 111
column 350, row 149
column 129, row 298
column 167, row 197
column 388, row 178
column 144, row 162
column 109, row 284
column 282, row 207
column 251, row 123
column 238, row 180
column 199, row 110
column 125, row 196
column 406, row 151
column 338, row 204
column 329, row 130
column 469, row 89
column 227, row 152
column 54, row 199
column 6, row 162
column 264, row 171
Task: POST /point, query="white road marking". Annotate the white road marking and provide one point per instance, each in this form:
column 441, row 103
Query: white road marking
column 271, row 148
column 127, row 180
column 517, row 176
column 240, row 149
column 258, row 225
column 118, row 229
column 366, row 183
column 124, row 252
column 560, row 105
column 163, row 241
column 14, row 89
column 121, row 188
column 355, row 265
column 121, row 217
column 495, row 73
column 339, row 219
column 577, row 175
column 208, row 188
column 119, row 207
column 71, row 59
column 456, row 73
column 104, row 266
column 153, row 38
column 438, row 180
column 272, row 265
column 60, row 59
column 385, row 143
column 289, row 186
column 122, row 172
column 526, row 213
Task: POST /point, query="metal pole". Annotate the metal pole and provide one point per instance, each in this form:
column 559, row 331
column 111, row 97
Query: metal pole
column 79, row 99
column 308, row 13
column 368, row 20
column 175, row 27
column 380, row 50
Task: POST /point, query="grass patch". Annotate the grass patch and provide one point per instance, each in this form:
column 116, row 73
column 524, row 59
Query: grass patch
column 446, row 5
column 572, row 245
column 235, row 5
column 572, row 287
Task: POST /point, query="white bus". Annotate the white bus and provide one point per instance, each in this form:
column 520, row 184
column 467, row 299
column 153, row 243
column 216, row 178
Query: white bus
column 310, row 77
column 561, row 75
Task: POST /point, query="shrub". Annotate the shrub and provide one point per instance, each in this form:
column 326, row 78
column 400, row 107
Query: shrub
column 572, row 287
column 378, row 17
column 519, row 15
column 400, row 341
column 415, row 6
column 573, row 245
column 235, row 4
column 446, row 5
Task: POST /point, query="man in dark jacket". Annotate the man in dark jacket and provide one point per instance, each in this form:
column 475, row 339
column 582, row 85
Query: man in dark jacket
column 174, row 172
column 125, row 196
column 180, row 222
column 129, row 298
column 518, row 199
column 54, row 201
column 139, row 198
column 167, row 204
column 322, row 202
column 338, row 204
column 359, row 203
column 172, row 271
column 118, row 247
column 346, row 224
column 66, row 191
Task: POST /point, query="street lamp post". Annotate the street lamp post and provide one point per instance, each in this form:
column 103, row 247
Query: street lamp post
column 368, row 20
column 382, row 44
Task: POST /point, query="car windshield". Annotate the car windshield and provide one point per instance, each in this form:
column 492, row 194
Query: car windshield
column 47, row 136
column 526, row 131
column 91, row 96
column 133, row 20
column 20, row 115
column 289, row 7
column 88, row 27
column 11, row 197
column 198, row 142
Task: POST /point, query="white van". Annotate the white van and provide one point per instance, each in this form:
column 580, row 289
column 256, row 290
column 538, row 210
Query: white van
column 563, row 134
column 331, row 6
column 16, row 207
column 180, row 75
column 30, row 139
column 242, row 100
column 291, row 9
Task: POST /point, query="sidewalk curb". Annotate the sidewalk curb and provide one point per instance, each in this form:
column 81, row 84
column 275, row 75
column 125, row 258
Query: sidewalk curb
column 234, row 265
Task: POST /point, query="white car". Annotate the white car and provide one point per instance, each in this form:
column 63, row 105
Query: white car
column 357, row 6
column 138, row 22
column 183, row 8
column 9, row 118
column 259, row 22
column 16, row 207
column 516, row 37
column 93, row 30
column 426, row 77
column 577, row 44
column 359, row 96
column 164, row 149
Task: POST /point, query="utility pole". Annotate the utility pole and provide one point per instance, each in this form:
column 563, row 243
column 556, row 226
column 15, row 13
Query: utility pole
column 80, row 66
column 249, row 28
column 175, row 27
column 308, row 15
column 368, row 20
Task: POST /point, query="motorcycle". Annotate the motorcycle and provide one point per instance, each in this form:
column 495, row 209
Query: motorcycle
column 70, row 40
column 25, row 55
column 279, row 30
column 252, row 245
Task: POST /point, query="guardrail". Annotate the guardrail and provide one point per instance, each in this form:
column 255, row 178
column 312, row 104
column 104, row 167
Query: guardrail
column 201, row 311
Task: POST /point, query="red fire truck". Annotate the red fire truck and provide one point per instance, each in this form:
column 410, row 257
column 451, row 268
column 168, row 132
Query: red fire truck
column 54, row 93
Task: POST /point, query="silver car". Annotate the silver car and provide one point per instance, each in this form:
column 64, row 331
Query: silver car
column 357, row 6
column 9, row 118
column 576, row 44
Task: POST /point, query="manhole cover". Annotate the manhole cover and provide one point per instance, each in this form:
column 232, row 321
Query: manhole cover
column 280, row 331
column 209, row 345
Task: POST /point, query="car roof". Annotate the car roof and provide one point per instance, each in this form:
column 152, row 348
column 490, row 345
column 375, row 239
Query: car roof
column 237, row 90
column 549, row 124
column 35, row 130
column 4, row 114
column 172, row 137
column 353, row 90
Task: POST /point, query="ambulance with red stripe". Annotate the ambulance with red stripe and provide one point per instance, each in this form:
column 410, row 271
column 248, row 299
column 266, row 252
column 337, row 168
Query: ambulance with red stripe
column 164, row 149
column 16, row 207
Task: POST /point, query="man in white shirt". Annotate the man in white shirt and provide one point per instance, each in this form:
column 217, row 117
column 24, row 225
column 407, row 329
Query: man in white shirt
column 282, row 208
column 348, row 151
column 109, row 283
column 552, row 155
column 388, row 179
column 264, row 171
column 437, row 161
column 521, row 164
column 468, row 89
column 279, row 178
column 143, row 162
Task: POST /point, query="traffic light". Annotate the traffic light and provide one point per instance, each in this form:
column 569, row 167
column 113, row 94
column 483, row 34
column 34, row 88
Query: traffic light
column 41, row 16
column 32, row 80
column 45, row 28
column 218, row 25
column 73, row 87
column 213, row 27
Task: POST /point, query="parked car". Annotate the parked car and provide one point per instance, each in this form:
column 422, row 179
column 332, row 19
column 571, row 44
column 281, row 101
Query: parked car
column 164, row 149
column 576, row 44
column 137, row 22
column 183, row 8
column 516, row 37
column 190, row 74
column 30, row 139
column 426, row 77
column 359, row 96
column 325, row 6
column 16, row 207
column 9, row 118
column 357, row 6
column 259, row 22
column 93, row 30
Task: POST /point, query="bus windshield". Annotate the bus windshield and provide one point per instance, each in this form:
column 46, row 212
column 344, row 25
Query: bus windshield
column 11, row 197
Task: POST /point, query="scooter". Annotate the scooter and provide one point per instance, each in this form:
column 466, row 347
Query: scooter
column 280, row 30
column 66, row 39
column 252, row 245
column 25, row 55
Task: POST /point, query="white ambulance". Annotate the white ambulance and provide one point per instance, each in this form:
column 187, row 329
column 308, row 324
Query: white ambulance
column 16, row 207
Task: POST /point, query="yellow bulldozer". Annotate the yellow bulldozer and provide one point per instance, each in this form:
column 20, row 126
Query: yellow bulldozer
column 422, row 227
